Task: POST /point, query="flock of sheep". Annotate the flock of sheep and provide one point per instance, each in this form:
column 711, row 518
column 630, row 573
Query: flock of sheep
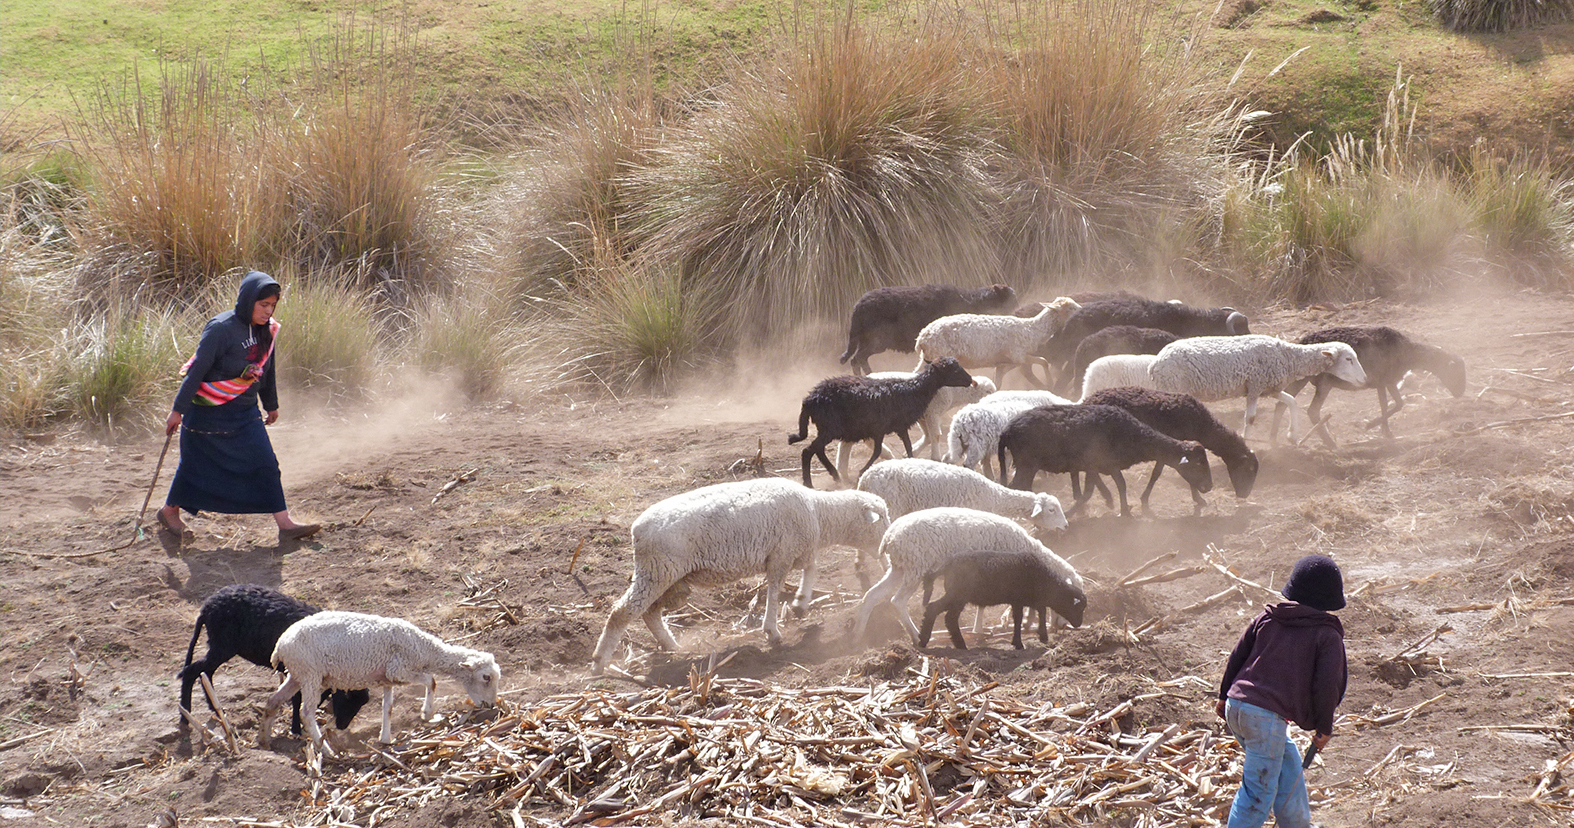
column 1142, row 370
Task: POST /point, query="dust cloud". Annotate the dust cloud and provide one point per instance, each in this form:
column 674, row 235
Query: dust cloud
column 317, row 441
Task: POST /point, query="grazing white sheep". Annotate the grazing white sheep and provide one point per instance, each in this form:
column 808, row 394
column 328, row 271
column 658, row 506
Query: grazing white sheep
column 932, row 423
column 1117, row 371
column 919, row 546
column 912, row 485
column 975, row 429
column 1005, row 342
column 335, row 650
column 1223, row 367
column 718, row 534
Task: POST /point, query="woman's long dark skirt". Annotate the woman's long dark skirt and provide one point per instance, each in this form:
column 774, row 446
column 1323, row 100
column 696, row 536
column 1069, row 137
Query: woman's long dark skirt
column 227, row 463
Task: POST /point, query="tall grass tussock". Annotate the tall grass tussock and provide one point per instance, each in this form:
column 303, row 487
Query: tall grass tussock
column 641, row 234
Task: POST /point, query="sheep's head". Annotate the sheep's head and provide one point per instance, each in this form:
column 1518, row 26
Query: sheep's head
column 1193, row 466
column 1001, row 296
column 1452, row 373
column 950, row 372
column 1342, row 362
column 1243, row 472
column 481, row 677
column 1236, row 322
column 1047, row 514
column 1068, row 600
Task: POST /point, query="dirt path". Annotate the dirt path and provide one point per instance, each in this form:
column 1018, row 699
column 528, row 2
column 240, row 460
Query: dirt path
column 1456, row 511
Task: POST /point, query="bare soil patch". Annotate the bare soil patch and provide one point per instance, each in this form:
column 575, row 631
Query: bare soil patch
column 1459, row 510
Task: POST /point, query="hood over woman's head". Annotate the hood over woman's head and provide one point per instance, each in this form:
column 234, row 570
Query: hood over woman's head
column 255, row 286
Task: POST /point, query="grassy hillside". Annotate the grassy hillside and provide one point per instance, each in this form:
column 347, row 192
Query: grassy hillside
column 510, row 194
column 502, row 60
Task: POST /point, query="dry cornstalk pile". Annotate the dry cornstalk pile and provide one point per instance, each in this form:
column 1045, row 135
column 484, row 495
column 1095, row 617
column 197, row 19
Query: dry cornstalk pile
column 930, row 748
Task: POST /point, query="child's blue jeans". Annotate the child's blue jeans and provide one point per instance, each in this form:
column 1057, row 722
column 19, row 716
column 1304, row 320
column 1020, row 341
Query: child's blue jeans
column 1271, row 779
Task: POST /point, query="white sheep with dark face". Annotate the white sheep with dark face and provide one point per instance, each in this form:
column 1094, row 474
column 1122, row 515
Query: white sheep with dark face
column 335, row 650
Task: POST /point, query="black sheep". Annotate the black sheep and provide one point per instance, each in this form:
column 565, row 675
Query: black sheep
column 1028, row 310
column 1181, row 320
column 852, row 409
column 1116, row 339
column 1183, row 417
column 989, row 577
column 1098, row 439
column 246, row 620
column 889, row 318
column 1385, row 354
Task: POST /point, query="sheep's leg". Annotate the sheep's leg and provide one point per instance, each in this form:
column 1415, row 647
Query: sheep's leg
column 1109, row 501
column 901, row 600
column 978, row 623
column 817, row 449
column 1120, row 485
column 1384, row 412
column 774, row 581
column 1153, row 479
column 313, row 690
column 883, row 590
column 658, row 628
column 931, row 611
column 800, row 603
column 1314, row 413
column 844, row 453
column 1016, row 627
column 1297, row 428
column 637, row 600
column 1043, row 625
column 929, row 435
column 907, row 443
column 1251, row 415
column 271, row 709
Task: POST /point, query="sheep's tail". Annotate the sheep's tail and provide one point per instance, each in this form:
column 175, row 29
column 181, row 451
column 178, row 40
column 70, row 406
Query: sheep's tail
column 1000, row 457
column 852, row 348
column 196, row 631
column 803, row 426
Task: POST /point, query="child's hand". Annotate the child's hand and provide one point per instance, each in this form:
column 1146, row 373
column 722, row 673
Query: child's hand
column 1218, row 708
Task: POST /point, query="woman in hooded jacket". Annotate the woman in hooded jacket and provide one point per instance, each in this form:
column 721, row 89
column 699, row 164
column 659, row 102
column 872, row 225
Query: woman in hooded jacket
column 227, row 463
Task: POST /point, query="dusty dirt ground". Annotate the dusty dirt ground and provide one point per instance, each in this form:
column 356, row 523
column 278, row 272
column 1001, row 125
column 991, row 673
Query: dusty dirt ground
column 1458, row 510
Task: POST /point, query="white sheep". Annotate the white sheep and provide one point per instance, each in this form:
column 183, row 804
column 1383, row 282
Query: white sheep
column 1117, row 371
column 975, row 429
column 912, row 485
column 718, row 534
column 919, row 545
column 1005, row 342
column 932, row 423
column 1223, row 367
column 334, row 650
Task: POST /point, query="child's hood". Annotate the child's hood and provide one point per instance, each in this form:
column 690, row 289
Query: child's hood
column 1292, row 614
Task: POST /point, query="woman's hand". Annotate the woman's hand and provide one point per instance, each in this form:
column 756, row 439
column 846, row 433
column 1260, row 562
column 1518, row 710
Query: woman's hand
column 1321, row 740
column 173, row 423
column 1218, row 708
column 272, row 417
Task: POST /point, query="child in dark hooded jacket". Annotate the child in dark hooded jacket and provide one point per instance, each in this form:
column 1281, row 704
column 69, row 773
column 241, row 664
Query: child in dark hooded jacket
column 1289, row 666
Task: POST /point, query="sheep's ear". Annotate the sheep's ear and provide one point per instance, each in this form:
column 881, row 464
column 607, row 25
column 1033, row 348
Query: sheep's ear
column 1038, row 509
column 874, row 516
column 1184, row 460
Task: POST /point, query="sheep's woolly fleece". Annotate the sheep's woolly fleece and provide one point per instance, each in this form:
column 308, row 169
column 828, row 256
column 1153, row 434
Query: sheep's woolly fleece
column 912, row 485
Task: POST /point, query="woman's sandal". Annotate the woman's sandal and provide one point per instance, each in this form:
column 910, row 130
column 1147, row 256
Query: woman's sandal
column 300, row 532
column 184, row 532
